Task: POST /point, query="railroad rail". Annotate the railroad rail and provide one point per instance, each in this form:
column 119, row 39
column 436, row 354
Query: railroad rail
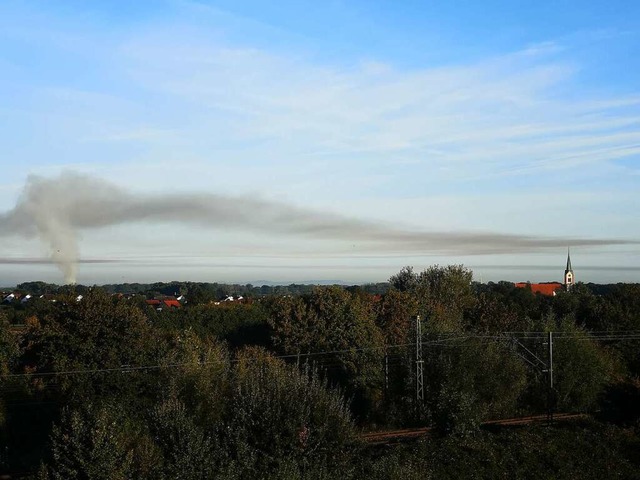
column 392, row 436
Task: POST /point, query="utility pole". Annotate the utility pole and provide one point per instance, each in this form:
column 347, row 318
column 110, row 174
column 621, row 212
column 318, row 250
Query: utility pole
column 386, row 372
column 419, row 363
column 544, row 367
column 551, row 396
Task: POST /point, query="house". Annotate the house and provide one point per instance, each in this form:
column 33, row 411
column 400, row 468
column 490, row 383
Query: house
column 164, row 302
column 231, row 298
column 9, row 298
column 172, row 303
column 550, row 288
column 154, row 303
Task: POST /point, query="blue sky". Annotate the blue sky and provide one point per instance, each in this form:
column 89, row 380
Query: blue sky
column 510, row 117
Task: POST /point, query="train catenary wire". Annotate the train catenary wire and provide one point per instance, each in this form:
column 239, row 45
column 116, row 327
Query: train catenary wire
column 396, row 357
column 445, row 337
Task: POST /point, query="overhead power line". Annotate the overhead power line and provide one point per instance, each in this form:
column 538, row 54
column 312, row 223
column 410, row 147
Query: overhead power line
column 442, row 339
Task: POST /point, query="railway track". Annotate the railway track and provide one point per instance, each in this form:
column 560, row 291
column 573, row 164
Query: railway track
column 392, row 436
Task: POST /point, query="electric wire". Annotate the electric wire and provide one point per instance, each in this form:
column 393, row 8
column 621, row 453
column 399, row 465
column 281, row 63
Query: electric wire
column 454, row 340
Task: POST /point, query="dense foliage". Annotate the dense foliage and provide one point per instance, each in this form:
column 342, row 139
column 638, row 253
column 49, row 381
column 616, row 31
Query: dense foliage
column 273, row 386
column 582, row 450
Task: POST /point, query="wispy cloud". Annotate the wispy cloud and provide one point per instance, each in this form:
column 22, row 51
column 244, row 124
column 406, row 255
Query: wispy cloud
column 192, row 90
column 478, row 117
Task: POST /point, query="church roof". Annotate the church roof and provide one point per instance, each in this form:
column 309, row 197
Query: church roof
column 542, row 288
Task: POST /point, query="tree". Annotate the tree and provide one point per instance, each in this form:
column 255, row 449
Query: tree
column 282, row 417
column 97, row 333
column 491, row 314
column 394, row 315
column 9, row 353
column 471, row 383
column 333, row 320
column 581, row 367
column 199, row 370
column 89, row 444
column 445, row 293
column 187, row 452
column 467, row 379
column 442, row 294
column 405, row 280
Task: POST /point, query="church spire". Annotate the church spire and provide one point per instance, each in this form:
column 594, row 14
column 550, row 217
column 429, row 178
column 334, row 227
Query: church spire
column 569, row 278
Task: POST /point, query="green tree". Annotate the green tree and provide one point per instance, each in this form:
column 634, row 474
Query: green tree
column 394, row 316
column 442, row 294
column 282, row 417
column 489, row 313
column 333, row 320
column 97, row 333
column 581, row 367
column 9, row 354
column 405, row 280
column 395, row 313
column 200, row 370
column 472, row 382
column 89, row 444
column 187, row 452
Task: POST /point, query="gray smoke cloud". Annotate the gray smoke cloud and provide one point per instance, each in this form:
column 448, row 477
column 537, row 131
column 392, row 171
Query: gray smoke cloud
column 40, row 261
column 57, row 209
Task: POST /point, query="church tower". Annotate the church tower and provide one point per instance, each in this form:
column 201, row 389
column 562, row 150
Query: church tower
column 569, row 279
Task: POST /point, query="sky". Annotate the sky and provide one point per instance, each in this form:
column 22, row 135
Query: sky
column 519, row 119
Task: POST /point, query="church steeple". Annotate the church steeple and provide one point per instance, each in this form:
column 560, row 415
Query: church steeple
column 569, row 279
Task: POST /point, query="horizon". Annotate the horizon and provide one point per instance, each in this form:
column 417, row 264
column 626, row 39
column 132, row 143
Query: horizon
column 481, row 273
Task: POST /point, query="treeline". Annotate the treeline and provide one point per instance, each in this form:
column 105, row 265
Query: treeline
column 279, row 387
column 204, row 292
column 198, row 292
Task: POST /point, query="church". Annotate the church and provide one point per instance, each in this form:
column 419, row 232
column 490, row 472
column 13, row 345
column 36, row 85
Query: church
column 550, row 288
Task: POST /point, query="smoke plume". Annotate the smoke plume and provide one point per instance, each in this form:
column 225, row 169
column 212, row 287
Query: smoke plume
column 57, row 209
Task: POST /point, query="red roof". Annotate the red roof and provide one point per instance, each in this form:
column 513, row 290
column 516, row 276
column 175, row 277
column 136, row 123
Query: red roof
column 172, row 303
column 153, row 302
column 542, row 288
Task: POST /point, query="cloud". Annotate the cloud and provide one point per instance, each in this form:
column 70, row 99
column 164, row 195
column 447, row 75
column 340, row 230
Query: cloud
column 479, row 117
column 180, row 89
